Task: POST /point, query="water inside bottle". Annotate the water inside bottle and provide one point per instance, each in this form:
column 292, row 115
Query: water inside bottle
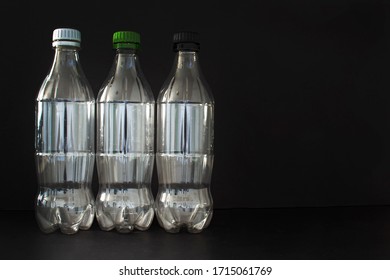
column 125, row 161
column 64, row 161
column 125, row 206
column 125, row 200
column 184, row 205
column 184, row 164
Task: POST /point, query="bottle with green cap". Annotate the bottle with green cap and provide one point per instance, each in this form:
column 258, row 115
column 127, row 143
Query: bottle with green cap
column 125, row 141
column 184, row 155
column 64, row 141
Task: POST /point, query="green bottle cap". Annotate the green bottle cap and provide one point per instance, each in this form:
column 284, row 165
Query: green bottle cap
column 126, row 40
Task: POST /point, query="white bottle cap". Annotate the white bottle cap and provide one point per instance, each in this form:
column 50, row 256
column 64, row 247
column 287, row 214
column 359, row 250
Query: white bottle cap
column 66, row 37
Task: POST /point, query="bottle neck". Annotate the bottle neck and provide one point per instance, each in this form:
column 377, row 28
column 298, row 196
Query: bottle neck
column 66, row 56
column 188, row 60
column 126, row 58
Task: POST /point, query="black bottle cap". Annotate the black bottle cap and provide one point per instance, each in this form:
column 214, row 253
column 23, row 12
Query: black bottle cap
column 186, row 41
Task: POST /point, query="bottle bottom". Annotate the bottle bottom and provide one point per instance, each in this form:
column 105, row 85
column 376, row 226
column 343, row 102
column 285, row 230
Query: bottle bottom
column 179, row 206
column 66, row 208
column 124, row 208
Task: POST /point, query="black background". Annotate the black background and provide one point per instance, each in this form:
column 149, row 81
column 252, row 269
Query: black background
column 301, row 87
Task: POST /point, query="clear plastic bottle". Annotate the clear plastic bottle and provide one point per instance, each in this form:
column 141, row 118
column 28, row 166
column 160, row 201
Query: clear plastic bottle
column 64, row 141
column 125, row 141
column 184, row 156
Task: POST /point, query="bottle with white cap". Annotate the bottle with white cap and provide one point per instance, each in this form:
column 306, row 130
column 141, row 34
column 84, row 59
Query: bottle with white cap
column 64, row 141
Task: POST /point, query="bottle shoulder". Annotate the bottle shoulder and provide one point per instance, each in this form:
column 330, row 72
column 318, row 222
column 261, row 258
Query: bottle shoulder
column 126, row 86
column 65, row 85
column 186, row 88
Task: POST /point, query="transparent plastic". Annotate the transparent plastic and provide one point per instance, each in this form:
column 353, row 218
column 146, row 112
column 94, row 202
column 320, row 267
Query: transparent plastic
column 125, row 147
column 184, row 156
column 64, row 146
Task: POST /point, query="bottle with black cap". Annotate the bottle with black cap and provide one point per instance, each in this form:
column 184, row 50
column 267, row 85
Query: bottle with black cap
column 184, row 155
column 64, row 142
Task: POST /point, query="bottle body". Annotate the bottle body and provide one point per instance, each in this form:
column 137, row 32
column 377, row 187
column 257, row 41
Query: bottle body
column 125, row 151
column 185, row 119
column 65, row 112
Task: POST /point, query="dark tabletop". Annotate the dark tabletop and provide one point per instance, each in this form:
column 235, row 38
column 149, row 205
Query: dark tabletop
column 275, row 233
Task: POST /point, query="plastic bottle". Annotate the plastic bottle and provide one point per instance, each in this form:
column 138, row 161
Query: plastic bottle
column 184, row 156
column 64, row 141
column 125, row 141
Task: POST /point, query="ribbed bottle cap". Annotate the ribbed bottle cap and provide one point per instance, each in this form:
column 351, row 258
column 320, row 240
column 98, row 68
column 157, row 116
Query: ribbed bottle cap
column 66, row 37
column 126, row 40
column 186, row 41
